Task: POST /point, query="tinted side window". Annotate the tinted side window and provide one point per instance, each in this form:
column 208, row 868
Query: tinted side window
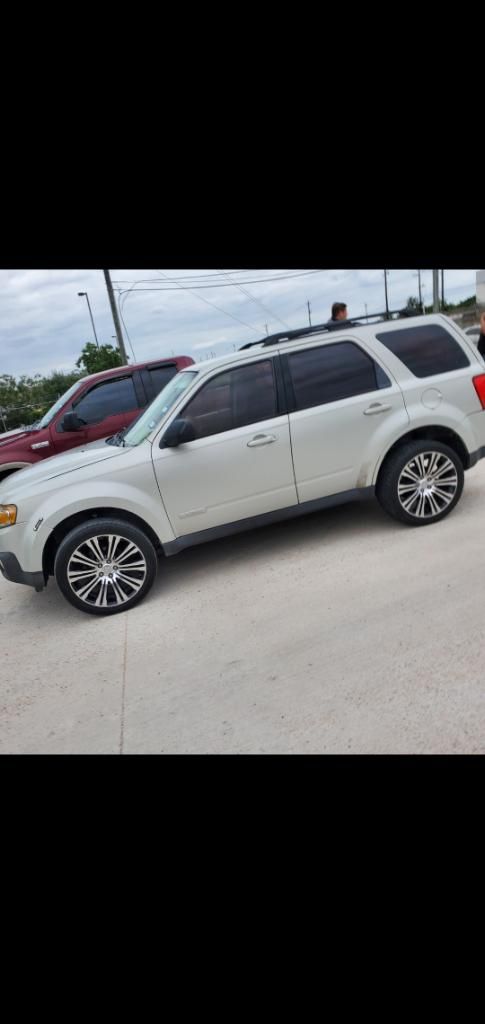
column 327, row 374
column 160, row 376
column 425, row 350
column 107, row 399
column 233, row 399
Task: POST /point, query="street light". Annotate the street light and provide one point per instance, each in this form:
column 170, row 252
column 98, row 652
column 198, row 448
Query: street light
column 91, row 315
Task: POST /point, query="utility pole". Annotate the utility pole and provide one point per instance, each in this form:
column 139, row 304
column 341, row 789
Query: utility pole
column 116, row 319
column 309, row 312
column 266, row 325
column 436, row 291
column 443, row 290
column 385, row 287
column 420, row 295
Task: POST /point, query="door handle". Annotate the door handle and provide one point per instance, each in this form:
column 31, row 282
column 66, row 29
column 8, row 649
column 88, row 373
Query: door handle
column 375, row 408
column 260, row 439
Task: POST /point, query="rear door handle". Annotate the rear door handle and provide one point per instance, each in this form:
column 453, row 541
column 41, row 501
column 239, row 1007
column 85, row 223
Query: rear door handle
column 375, row 408
column 260, row 439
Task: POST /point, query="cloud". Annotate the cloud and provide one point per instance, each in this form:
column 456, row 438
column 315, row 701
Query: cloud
column 44, row 324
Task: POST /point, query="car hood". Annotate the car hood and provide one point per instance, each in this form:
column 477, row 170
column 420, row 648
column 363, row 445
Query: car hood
column 12, row 436
column 60, row 465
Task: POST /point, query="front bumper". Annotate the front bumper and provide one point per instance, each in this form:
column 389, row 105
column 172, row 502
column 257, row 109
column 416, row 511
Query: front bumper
column 11, row 570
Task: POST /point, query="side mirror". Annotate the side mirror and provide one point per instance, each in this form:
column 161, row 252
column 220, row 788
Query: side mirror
column 179, row 432
column 72, row 421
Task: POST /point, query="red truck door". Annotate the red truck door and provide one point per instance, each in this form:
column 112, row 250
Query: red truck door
column 104, row 408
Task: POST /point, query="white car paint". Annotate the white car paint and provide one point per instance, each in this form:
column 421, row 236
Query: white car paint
column 252, row 470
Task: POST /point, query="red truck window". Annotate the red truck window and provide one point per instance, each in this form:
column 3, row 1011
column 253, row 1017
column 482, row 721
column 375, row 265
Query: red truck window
column 160, row 376
column 107, row 399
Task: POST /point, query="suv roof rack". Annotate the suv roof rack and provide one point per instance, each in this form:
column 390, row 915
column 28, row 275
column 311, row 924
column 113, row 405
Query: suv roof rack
column 303, row 332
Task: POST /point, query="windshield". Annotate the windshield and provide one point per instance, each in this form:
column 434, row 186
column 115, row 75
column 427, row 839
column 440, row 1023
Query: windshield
column 44, row 422
column 159, row 407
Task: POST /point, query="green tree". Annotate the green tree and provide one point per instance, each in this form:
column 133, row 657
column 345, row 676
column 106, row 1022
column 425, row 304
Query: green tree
column 94, row 359
column 25, row 400
column 16, row 401
column 50, row 388
column 413, row 303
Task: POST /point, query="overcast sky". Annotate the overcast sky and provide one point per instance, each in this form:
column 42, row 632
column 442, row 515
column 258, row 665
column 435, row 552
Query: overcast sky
column 44, row 324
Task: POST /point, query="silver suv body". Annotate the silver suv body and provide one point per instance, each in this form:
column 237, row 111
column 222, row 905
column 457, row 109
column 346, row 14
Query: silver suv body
column 283, row 427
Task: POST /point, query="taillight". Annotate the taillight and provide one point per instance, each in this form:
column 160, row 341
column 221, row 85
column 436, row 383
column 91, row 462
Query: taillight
column 479, row 383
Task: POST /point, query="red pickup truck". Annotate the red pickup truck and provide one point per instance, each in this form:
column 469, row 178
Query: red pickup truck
column 94, row 407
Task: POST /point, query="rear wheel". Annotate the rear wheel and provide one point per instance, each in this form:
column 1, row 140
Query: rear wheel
column 105, row 566
column 421, row 482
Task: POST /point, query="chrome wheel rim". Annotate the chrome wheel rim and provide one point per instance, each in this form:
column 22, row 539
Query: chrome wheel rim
column 427, row 485
column 106, row 571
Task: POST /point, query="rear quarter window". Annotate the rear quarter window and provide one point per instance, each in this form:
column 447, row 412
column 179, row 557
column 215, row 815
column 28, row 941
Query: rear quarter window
column 329, row 373
column 426, row 350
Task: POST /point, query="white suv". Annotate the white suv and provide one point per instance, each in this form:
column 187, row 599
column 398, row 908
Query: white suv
column 285, row 426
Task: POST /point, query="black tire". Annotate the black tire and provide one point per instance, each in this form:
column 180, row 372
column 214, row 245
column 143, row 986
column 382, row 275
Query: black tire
column 399, row 475
column 83, row 563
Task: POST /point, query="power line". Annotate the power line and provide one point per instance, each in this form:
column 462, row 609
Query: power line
column 120, row 310
column 210, row 276
column 253, row 299
column 126, row 330
column 123, row 295
column 202, row 277
column 256, row 331
column 221, row 284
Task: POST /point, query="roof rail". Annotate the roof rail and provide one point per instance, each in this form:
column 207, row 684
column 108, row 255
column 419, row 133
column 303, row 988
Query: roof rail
column 299, row 332
column 303, row 332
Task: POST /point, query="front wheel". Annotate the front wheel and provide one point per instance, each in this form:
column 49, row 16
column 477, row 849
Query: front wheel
column 8, row 472
column 421, row 482
column 105, row 566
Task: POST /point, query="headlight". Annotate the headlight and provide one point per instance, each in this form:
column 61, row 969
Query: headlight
column 8, row 515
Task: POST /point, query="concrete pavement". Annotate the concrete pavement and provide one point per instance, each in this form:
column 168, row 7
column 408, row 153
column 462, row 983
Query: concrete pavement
column 343, row 632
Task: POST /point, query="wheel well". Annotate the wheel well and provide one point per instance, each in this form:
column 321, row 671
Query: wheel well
column 62, row 529
column 443, row 434
column 13, row 469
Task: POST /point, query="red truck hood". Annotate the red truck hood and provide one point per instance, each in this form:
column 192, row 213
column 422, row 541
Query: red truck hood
column 13, row 436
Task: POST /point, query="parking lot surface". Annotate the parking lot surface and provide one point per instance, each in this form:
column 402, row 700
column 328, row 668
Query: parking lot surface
column 341, row 632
